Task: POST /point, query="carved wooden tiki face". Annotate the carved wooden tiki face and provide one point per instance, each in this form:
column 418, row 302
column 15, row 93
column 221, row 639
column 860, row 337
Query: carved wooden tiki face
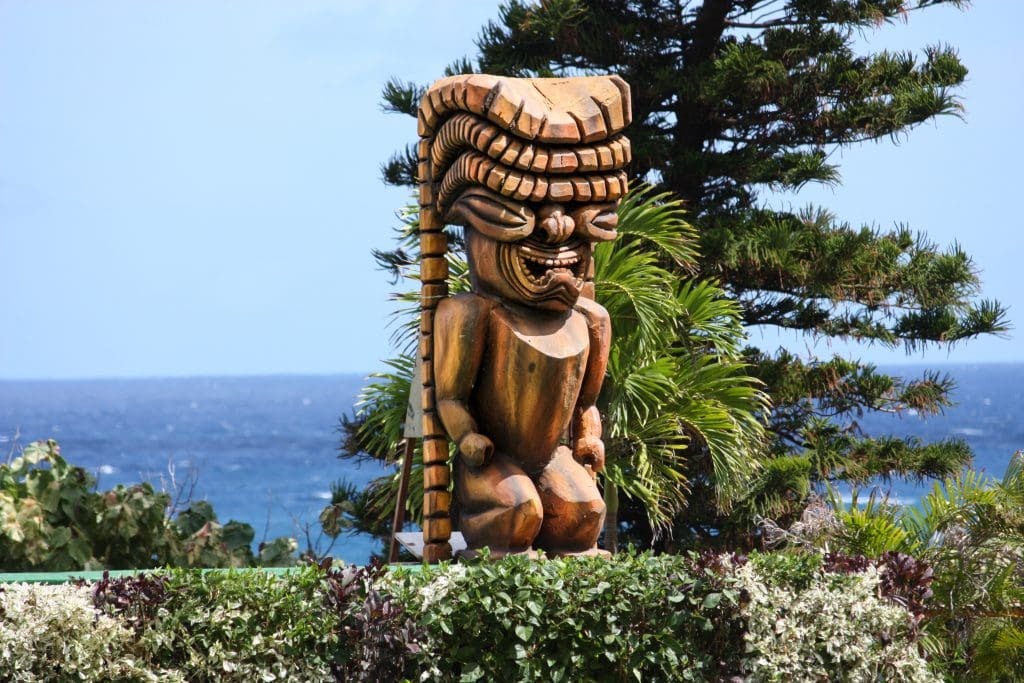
column 533, row 169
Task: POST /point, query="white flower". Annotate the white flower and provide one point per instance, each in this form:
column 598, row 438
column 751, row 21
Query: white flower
column 438, row 589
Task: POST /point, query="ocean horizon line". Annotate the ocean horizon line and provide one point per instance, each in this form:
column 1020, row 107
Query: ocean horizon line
column 190, row 376
column 923, row 364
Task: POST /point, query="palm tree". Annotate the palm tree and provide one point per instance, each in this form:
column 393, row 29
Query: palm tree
column 675, row 401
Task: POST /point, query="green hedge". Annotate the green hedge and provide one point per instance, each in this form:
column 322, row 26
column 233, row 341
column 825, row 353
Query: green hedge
column 770, row 617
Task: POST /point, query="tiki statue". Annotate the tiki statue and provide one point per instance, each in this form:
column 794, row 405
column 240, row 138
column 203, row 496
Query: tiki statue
column 533, row 170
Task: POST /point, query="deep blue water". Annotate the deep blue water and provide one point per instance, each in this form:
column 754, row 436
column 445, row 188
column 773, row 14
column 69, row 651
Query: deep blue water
column 988, row 415
column 264, row 448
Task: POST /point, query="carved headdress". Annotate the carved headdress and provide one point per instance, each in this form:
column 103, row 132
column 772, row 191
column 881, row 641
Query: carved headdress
column 492, row 151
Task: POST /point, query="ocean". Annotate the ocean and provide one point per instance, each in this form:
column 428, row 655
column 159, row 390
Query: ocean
column 263, row 450
column 988, row 414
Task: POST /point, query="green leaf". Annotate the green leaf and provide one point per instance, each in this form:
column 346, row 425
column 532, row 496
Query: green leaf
column 59, row 537
column 236, row 535
column 79, row 550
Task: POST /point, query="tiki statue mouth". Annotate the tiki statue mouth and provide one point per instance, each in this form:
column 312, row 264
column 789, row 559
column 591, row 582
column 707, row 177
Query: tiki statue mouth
column 545, row 275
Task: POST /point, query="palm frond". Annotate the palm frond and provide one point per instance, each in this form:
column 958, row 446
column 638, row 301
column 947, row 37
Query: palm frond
column 380, row 409
column 709, row 320
column 657, row 222
column 637, row 293
column 673, row 381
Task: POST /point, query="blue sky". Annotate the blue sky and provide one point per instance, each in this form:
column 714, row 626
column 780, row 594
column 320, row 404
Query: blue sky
column 192, row 188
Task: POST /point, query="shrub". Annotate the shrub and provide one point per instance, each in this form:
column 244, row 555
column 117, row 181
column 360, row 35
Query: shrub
column 823, row 626
column 642, row 618
column 315, row 624
column 778, row 616
column 53, row 633
column 964, row 543
column 708, row 617
column 240, row 626
column 379, row 636
column 53, row 519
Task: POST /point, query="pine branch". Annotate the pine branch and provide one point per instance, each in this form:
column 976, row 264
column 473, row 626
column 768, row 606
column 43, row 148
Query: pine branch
column 401, row 169
column 400, row 97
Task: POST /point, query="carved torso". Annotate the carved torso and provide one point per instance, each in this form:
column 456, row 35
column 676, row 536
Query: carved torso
column 525, row 354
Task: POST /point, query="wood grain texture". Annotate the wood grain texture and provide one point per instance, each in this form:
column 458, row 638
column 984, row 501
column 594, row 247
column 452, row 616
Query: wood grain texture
column 435, row 451
column 436, row 476
column 433, row 244
column 432, row 424
column 434, row 269
column 473, row 169
column 432, row 293
column 464, row 131
column 436, row 504
column 437, row 529
column 437, row 552
column 549, row 110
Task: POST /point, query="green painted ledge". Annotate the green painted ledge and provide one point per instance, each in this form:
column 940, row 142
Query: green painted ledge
column 67, row 577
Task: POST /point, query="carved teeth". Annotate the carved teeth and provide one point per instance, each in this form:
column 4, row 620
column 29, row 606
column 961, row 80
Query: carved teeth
column 530, row 261
column 561, row 261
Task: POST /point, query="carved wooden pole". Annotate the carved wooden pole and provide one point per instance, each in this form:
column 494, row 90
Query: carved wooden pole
column 437, row 528
column 533, row 169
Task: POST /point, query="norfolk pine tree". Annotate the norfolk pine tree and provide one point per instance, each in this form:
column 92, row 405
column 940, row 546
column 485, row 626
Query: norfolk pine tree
column 733, row 98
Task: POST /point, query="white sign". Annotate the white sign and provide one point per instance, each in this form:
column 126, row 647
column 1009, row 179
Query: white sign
column 414, row 410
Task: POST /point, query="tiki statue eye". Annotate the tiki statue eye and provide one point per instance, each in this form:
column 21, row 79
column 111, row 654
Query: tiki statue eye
column 597, row 222
column 487, row 212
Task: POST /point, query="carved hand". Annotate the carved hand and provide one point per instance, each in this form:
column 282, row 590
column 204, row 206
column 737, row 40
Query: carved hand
column 590, row 451
column 476, row 449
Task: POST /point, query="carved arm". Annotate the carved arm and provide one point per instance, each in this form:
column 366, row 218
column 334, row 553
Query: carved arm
column 586, row 429
column 460, row 335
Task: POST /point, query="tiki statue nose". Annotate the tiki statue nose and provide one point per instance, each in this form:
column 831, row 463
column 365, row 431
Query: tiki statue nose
column 554, row 224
